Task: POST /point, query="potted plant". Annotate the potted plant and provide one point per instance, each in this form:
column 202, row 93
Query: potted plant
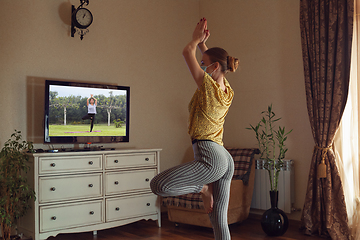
column 15, row 192
column 271, row 141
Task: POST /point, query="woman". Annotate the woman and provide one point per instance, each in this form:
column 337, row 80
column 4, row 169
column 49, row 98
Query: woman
column 91, row 103
column 211, row 172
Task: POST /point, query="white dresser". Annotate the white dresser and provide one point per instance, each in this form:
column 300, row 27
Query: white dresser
column 90, row 191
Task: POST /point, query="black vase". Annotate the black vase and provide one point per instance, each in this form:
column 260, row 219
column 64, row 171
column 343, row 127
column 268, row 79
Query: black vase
column 274, row 221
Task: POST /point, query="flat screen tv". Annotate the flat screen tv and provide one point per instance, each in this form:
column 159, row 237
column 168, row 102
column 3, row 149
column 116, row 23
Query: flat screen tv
column 77, row 112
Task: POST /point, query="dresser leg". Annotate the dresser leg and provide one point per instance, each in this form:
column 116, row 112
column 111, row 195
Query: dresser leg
column 159, row 220
column 95, row 233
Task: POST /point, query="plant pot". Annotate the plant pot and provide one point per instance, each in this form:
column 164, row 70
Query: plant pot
column 274, row 221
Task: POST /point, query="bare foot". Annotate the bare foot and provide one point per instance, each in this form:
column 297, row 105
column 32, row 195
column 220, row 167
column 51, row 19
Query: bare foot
column 207, row 197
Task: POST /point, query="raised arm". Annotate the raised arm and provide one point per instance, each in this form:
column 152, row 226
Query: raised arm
column 200, row 35
column 87, row 100
column 202, row 45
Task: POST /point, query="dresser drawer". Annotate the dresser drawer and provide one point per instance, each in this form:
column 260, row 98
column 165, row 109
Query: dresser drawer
column 127, row 160
column 69, row 164
column 128, row 181
column 121, row 208
column 70, row 187
column 69, row 216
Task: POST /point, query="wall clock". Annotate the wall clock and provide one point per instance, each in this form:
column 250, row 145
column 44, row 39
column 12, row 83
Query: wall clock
column 81, row 19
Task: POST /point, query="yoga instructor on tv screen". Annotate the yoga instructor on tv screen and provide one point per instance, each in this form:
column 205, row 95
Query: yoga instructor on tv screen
column 91, row 103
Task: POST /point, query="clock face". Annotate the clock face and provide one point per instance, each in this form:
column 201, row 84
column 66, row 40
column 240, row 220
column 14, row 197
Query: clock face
column 83, row 18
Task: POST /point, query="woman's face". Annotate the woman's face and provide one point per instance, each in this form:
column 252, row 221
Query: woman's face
column 205, row 61
column 91, row 101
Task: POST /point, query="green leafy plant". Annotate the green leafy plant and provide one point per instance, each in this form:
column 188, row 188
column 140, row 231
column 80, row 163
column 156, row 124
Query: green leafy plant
column 118, row 123
column 271, row 144
column 15, row 192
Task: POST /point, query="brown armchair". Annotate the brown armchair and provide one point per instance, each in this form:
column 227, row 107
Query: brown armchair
column 189, row 209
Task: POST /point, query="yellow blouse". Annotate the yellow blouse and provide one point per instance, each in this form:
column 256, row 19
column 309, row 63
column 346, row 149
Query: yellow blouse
column 208, row 108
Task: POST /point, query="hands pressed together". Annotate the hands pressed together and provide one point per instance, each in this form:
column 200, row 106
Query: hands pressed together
column 201, row 33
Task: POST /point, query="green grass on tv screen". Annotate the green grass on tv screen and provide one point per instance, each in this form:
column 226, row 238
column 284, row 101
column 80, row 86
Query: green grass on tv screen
column 84, row 130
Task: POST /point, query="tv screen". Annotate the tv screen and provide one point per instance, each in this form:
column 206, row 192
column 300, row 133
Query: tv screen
column 86, row 113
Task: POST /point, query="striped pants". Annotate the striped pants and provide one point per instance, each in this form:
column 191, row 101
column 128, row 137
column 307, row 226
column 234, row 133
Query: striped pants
column 212, row 164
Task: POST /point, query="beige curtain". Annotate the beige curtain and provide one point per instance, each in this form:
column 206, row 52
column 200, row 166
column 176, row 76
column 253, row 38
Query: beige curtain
column 326, row 36
column 347, row 138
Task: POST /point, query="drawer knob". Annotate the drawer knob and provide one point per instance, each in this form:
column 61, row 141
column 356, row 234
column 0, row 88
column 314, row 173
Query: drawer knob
column 52, row 164
column 91, row 163
column 147, row 159
column 91, row 212
column 116, row 182
column 147, row 180
column 148, row 204
column 116, row 161
column 52, row 189
column 53, row 218
column 117, row 209
column 90, row 185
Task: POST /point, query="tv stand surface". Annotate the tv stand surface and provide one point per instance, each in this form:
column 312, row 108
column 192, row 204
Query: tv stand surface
column 39, row 150
column 90, row 190
column 89, row 149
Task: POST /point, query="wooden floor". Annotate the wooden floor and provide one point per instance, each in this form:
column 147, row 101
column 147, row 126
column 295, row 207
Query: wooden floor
column 250, row 229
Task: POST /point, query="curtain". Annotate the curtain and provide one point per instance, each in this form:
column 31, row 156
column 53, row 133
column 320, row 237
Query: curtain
column 347, row 138
column 326, row 36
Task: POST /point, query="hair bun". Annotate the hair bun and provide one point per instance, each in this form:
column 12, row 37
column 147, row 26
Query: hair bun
column 232, row 63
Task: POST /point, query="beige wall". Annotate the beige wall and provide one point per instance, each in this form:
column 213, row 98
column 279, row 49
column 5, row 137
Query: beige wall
column 138, row 43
